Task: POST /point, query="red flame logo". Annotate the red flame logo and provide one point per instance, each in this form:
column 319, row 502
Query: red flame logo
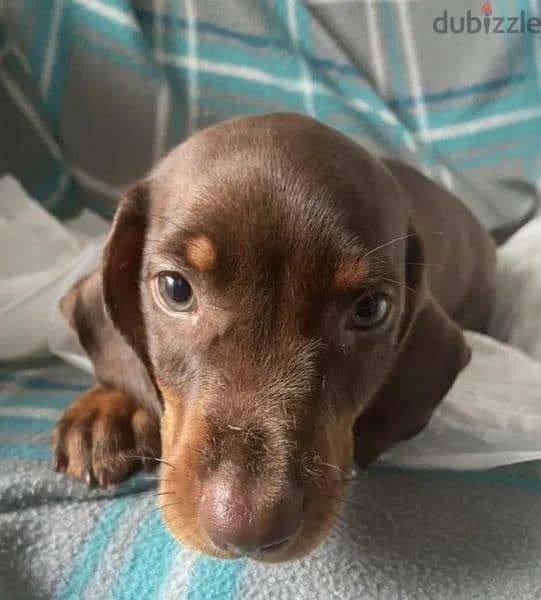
column 486, row 9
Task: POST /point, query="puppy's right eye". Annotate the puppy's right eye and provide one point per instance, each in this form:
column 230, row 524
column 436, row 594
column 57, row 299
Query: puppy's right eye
column 370, row 311
column 175, row 291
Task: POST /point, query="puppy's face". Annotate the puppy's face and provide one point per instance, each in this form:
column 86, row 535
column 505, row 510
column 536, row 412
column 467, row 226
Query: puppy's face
column 272, row 294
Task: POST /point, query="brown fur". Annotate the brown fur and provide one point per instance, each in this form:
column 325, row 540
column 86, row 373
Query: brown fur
column 101, row 435
column 351, row 273
column 279, row 224
column 200, row 253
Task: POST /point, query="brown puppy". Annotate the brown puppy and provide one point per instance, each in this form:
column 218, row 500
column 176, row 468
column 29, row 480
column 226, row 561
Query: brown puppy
column 274, row 300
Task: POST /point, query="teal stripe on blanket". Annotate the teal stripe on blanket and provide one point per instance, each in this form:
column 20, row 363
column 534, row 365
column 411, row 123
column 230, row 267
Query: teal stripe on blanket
column 27, row 424
column 40, row 383
column 487, row 138
column 484, row 87
column 147, row 562
column 94, row 548
column 515, row 98
column 495, row 157
column 58, row 401
column 389, row 20
column 25, row 452
column 214, row 578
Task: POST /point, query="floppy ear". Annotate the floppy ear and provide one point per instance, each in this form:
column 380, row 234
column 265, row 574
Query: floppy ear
column 116, row 365
column 432, row 353
column 104, row 308
column 121, row 269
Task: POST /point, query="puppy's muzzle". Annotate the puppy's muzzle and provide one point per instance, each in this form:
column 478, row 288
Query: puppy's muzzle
column 239, row 522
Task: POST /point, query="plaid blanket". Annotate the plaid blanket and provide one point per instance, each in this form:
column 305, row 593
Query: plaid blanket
column 93, row 92
column 404, row 534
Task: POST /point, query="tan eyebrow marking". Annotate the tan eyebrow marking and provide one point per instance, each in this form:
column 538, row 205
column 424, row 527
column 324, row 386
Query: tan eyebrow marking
column 350, row 273
column 200, row 253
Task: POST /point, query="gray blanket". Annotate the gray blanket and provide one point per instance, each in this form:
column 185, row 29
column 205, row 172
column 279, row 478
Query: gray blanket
column 404, row 534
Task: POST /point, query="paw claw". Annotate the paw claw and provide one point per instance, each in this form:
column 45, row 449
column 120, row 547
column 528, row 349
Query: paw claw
column 89, row 480
column 103, row 479
column 60, row 464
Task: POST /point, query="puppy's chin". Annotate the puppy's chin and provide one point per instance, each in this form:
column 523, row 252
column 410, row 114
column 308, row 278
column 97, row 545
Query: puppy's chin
column 324, row 483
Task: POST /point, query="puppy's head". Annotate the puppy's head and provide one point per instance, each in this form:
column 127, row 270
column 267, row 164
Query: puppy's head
column 260, row 274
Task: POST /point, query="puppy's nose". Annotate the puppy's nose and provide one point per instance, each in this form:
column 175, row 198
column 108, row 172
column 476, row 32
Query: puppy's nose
column 234, row 523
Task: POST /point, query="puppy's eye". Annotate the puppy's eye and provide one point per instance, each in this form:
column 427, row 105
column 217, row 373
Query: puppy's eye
column 175, row 291
column 370, row 311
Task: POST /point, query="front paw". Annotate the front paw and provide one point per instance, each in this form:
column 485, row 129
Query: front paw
column 104, row 436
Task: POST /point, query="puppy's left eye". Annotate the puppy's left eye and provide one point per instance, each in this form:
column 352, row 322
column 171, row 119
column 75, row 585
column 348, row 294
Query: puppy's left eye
column 175, row 291
column 370, row 311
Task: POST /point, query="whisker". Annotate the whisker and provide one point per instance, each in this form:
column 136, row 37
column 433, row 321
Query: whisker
column 389, row 243
column 332, row 466
column 156, row 508
column 395, row 240
column 149, row 494
column 162, row 218
column 150, row 458
column 403, row 285
column 154, row 241
column 169, row 505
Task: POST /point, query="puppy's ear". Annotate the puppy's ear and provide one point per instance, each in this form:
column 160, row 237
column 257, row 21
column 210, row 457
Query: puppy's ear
column 121, row 269
column 116, row 365
column 432, row 353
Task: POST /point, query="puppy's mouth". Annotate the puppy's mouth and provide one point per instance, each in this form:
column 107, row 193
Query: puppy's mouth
column 271, row 510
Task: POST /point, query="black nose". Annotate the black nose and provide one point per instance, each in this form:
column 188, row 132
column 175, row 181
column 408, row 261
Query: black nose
column 235, row 523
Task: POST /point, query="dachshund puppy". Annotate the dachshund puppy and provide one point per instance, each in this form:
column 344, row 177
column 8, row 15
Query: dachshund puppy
column 273, row 302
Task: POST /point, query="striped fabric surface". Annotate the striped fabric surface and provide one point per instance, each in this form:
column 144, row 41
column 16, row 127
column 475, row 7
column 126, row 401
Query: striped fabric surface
column 403, row 534
column 93, row 92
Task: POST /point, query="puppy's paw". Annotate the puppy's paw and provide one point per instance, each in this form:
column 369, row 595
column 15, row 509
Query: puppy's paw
column 104, row 436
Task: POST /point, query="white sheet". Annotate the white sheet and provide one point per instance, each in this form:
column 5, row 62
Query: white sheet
column 39, row 259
